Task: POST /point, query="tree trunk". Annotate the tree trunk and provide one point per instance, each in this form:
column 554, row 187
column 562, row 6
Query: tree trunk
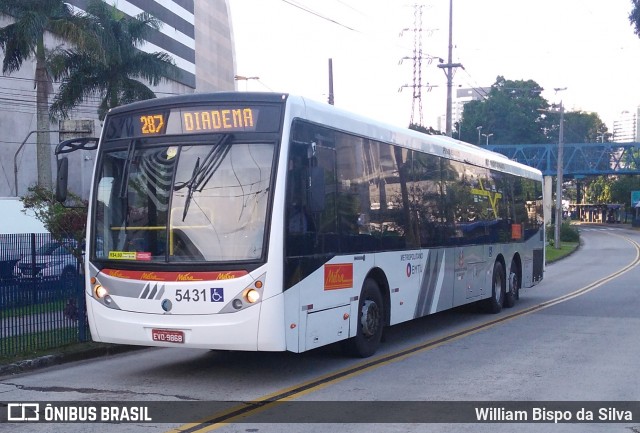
column 43, row 145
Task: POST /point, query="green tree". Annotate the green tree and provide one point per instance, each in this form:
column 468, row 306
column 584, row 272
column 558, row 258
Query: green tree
column 512, row 112
column 63, row 222
column 113, row 72
column 515, row 113
column 23, row 40
column 634, row 16
column 581, row 127
column 599, row 190
column 429, row 131
column 622, row 187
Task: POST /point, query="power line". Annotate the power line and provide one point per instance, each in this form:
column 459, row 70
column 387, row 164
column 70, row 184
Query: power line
column 306, row 9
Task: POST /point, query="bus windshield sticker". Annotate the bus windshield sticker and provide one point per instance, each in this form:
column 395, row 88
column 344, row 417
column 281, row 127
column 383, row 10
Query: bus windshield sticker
column 129, row 255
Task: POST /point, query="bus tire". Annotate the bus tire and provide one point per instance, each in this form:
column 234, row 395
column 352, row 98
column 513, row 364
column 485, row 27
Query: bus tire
column 494, row 304
column 513, row 284
column 370, row 322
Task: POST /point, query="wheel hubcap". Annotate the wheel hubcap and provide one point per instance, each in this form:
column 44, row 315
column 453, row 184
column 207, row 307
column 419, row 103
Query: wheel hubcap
column 370, row 318
column 513, row 284
column 497, row 288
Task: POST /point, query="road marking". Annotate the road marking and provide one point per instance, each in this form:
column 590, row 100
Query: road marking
column 269, row 401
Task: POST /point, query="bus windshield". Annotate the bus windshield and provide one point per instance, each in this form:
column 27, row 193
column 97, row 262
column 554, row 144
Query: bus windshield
column 184, row 202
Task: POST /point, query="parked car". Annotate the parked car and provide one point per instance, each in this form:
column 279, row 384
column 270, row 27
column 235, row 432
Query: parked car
column 8, row 262
column 54, row 261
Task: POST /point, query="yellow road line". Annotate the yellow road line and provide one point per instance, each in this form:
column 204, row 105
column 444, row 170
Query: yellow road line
column 269, row 401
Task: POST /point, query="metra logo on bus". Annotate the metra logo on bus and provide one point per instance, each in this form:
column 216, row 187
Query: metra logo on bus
column 338, row 276
column 116, row 274
column 187, row 277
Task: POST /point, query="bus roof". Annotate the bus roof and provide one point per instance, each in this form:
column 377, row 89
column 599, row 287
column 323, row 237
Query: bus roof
column 439, row 145
column 322, row 113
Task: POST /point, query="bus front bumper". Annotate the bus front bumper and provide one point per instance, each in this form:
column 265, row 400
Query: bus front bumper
column 232, row 331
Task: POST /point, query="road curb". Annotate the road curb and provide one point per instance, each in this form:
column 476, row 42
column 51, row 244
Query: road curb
column 63, row 358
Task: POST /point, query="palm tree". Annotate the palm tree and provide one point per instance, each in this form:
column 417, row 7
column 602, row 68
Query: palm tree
column 112, row 72
column 23, row 40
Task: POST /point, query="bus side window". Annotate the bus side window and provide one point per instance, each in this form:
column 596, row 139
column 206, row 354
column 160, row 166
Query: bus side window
column 298, row 215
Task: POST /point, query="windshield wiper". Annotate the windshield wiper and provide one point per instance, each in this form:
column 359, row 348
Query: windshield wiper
column 124, row 186
column 202, row 173
column 191, row 186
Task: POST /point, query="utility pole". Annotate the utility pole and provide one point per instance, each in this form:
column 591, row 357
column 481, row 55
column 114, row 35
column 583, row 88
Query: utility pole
column 330, row 82
column 448, row 71
column 559, row 175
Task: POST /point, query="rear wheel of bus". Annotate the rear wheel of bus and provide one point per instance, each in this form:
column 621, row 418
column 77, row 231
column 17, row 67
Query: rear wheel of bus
column 494, row 304
column 513, row 286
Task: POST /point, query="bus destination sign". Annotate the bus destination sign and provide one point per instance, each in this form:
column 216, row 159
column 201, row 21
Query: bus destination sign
column 200, row 120
column 194, row 119
column 218, row 120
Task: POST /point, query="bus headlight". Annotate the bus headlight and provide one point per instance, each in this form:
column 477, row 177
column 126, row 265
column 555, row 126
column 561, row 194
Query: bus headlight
column 252, row 296
column 100, row 291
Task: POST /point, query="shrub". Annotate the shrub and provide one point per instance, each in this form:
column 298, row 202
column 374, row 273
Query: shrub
column 568, row 233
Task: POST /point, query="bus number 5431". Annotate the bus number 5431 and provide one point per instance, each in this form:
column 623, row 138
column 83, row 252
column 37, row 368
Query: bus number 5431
column 191, row 295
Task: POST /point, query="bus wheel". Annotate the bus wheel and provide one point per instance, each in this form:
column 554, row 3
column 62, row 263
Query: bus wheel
column 513, row 294
column 493, row 305
column 370, row 321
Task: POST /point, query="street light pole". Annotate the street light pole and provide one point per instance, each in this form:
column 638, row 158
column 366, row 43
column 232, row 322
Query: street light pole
column 245, row 79
column 559, row 175
column 487, row 137
column 479, row 128
column 602, row 134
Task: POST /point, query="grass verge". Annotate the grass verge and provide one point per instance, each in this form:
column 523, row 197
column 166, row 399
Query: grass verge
column 36, row 344
column 553, row 254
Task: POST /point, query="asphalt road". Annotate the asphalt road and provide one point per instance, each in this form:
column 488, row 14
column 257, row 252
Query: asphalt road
column 573, row 338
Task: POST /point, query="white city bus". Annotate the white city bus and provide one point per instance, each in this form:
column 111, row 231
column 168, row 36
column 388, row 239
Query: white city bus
column 269, row 222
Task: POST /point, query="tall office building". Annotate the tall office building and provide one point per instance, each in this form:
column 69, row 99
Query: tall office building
column 196, row 33
column 625, row 128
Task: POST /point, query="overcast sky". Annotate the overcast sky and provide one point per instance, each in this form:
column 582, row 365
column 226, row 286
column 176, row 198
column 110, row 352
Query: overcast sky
column 587, row 46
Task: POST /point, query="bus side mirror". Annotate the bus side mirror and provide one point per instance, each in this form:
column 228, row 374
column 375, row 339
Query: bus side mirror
column 316, row 189
column 61, row 179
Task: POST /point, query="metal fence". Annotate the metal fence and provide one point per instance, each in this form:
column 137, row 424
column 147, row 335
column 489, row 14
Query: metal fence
column 41, row 295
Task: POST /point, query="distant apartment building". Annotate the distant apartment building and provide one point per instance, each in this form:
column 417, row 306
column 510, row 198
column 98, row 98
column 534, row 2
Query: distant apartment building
column 625, row 128
column 197, row 34
column 464, row 96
